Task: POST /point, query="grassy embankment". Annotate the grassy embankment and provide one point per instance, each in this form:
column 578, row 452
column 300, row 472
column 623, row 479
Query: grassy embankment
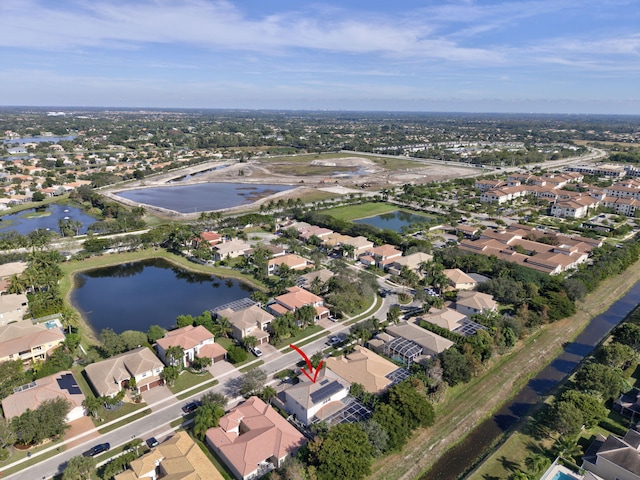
column 467, row 405
column 69, row 269
column 353, row 212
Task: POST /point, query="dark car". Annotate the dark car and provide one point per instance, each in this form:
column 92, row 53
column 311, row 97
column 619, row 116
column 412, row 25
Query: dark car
column 191, row 406
column 98, row 449
column 152, row 442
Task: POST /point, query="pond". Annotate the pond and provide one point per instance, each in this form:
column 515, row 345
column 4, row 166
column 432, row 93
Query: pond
column 46, row 217
column 202, row 197
column 394, row 220
column 134, row 296
column 52, row 139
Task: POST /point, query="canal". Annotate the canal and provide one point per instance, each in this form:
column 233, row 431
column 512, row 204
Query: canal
column 460, row 458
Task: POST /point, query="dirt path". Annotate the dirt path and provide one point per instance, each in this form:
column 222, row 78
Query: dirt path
column 472, row 403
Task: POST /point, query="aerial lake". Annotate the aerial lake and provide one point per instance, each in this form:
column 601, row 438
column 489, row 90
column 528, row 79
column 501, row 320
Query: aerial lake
column 202, row 197
column 46, row 217
column 52, row 139
column 134, row 296
column 394, row 220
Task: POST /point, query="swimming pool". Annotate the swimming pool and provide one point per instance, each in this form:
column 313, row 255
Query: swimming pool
column 563, row 476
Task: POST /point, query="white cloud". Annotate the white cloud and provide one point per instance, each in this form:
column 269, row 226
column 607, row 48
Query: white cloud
column 217, row 25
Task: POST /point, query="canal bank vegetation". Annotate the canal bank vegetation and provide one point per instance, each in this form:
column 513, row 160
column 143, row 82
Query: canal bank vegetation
column 569, row 420
column 465, row 405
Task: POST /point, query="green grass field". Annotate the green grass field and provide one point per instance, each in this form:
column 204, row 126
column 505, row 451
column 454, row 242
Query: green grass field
column 353, row 212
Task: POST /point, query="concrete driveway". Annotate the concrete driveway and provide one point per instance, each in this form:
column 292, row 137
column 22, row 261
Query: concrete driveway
column 156, row 396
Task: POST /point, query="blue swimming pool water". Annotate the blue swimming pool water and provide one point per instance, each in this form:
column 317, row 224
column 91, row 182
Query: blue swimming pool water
column 563, row 476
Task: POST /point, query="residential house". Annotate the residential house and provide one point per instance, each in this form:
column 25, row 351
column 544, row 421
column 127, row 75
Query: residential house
column 614, row 458
column 574, row 208
column 360, row 245
column 274, row 250
column 291, row 260
column 8, row 270
column 568, row 252
column 176, row 458
column 412, row 343
column 307, row 280
column 27, row 342
column 232, row 249
column 13, row 307
column 628, row 403
column 444, row 318
column 381, row 256
column 211, row 238
column 602, row 170
column 311, row 401
column 313, row 230
column 296, row 298
column 622, row 205
column 459, row 280
column 30, row 397
column 253, row 439
column 195, row 341
column 249, row 321
column 338, row 241
column 483, row 184
column 412, row 262
column 467, row 231
column 365, row 367
column 109, row 376
column 469, row 303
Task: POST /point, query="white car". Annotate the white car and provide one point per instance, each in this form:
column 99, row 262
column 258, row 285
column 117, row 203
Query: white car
column 256, row 351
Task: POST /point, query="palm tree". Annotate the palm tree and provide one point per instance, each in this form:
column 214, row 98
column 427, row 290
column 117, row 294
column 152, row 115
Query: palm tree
column 223, row 327
column 93, row 405
column 348, row 250
column 268, row 394
column 18, row 284
column 175, row 356
column 79, row 468
column 567, row 448
column 207, row 416
column 536, row 463
column 249, row 342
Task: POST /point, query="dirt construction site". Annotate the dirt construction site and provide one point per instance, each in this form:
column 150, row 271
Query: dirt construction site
column 336, row 174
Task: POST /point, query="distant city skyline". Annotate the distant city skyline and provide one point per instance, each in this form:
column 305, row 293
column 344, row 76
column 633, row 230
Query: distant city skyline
column 511, row 56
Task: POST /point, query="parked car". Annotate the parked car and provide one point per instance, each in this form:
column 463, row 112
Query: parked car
column 256, row 351
column 152, row 442
column 333, row 341
column 191, row 406
column 98, row 449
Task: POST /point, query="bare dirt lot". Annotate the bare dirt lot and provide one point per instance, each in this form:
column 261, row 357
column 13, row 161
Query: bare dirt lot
column 315, row 175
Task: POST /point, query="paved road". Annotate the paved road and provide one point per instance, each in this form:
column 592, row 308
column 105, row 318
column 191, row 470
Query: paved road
column 170, row 409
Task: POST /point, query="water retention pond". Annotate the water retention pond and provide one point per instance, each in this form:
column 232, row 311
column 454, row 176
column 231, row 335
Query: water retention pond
column 459, row 459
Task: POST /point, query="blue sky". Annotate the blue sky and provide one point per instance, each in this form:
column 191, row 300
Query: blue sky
column 564, row 56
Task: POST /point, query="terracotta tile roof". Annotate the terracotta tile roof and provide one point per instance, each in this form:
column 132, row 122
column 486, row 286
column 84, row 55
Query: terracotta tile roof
column 252, row 433
column 60, row 385
column 211, row 350
column 185, row 337
column 297, row 297
column 23, row 335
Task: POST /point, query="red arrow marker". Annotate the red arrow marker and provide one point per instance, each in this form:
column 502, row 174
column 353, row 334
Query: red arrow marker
column 309, row 366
